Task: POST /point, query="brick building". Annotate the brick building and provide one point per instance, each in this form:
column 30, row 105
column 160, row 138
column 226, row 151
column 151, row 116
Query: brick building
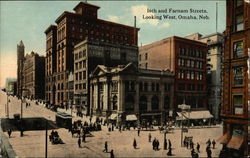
column 236, row 99
column 126, row 90
column 72, row 28
column 187, row 59
column 33, row 76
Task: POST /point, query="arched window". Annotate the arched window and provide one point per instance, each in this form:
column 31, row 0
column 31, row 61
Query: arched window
column 115, row 102
column 62, row 86
column 143, row 103
column 58, row 86
column 129, row 103
column 155, row 103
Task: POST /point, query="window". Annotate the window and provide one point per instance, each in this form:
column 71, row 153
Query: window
column 123, row 56
column 140, row 57
column 153, row 86
column 167, row 87
column 76, row 76
column 188, row 74
column 239, row 23
column 157, row 87
column 76, row 56
column 146, row 65
column 238, row 49
column 192, row 63
column 239, row 3
column 238, row 75
column 181, row 86
column 238, row 103
column 188, row 63
column 145, row 86
column 146, row 56
column 192, row 75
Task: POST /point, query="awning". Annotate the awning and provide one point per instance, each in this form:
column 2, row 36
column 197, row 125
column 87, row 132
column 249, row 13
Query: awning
column 113, row 116
column 205, row 114
column 131, row 118
column 235, row 142
column 223, row 139
column 151, row 114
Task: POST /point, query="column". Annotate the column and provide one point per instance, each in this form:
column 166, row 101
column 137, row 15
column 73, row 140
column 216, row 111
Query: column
column 137, row 96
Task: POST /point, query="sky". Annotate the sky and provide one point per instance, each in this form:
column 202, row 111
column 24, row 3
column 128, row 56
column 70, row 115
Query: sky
column 27, row 21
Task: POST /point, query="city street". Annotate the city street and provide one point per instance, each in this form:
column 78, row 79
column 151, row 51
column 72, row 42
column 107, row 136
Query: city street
column 32, row 144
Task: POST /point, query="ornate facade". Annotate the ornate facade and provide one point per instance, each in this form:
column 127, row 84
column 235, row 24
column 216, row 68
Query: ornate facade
column 125, row 90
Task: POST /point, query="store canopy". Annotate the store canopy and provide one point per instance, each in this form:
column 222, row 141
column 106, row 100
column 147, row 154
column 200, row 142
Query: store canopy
column 235, row 142
column 223, row 139
column 131, row 118
column 113, row 116
column 205, row 114
column 151, row 114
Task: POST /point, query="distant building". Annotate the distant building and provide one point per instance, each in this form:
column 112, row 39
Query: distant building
column 20, row 60
column 71, row 29
column 214, row 65
column 11, row 86
column 187, row 59
column 236, row 76
column 90, row 53
column 116, row 92
column 33, row 76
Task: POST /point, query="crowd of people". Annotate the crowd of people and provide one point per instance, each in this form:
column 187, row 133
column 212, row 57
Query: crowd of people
column 188, row 142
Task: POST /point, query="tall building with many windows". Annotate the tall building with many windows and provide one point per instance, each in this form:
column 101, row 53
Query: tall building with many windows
column 20, row 59
column 72, row 28
column 90, row 53
column 187, row 59
column 236, row 88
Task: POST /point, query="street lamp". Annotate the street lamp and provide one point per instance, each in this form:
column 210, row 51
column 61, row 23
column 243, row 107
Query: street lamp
column 7, row 105
column 21, row 118
column 183, row 107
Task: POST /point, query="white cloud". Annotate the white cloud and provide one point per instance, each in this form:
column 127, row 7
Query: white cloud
column 164, row 25
column 113, row 18
column 139, row 11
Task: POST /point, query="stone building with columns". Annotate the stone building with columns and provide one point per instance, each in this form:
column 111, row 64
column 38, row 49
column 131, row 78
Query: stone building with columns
column 126, row 90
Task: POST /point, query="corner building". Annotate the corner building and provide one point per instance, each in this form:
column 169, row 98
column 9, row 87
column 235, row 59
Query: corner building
column 72, row 28
column 187, row 59
column 236, row 97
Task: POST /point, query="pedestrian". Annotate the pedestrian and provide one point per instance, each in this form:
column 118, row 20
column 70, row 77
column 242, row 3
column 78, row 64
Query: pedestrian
column 112, row 154
column 138, row 132
column 79, row 142
column 191, row 145
column 120, row 128
column 9, row 132
column 84, row 137
column 149, row 137
column 157, row 144
column 165, row 144
column 187, row 144
column 112, row 127
column 169, row 152
column 208, row 142
column 169, row 144
column 198, row 147
column 154, row 144
column 209, row 152
column 134, row 144
column 90, row 118
column 106, row 147
column 192, row 153
column 213, row 142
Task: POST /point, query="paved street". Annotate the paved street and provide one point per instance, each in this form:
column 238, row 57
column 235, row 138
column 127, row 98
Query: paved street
column 33, row 142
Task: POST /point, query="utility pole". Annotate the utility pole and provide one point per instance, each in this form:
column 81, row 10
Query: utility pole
column 46, row 138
